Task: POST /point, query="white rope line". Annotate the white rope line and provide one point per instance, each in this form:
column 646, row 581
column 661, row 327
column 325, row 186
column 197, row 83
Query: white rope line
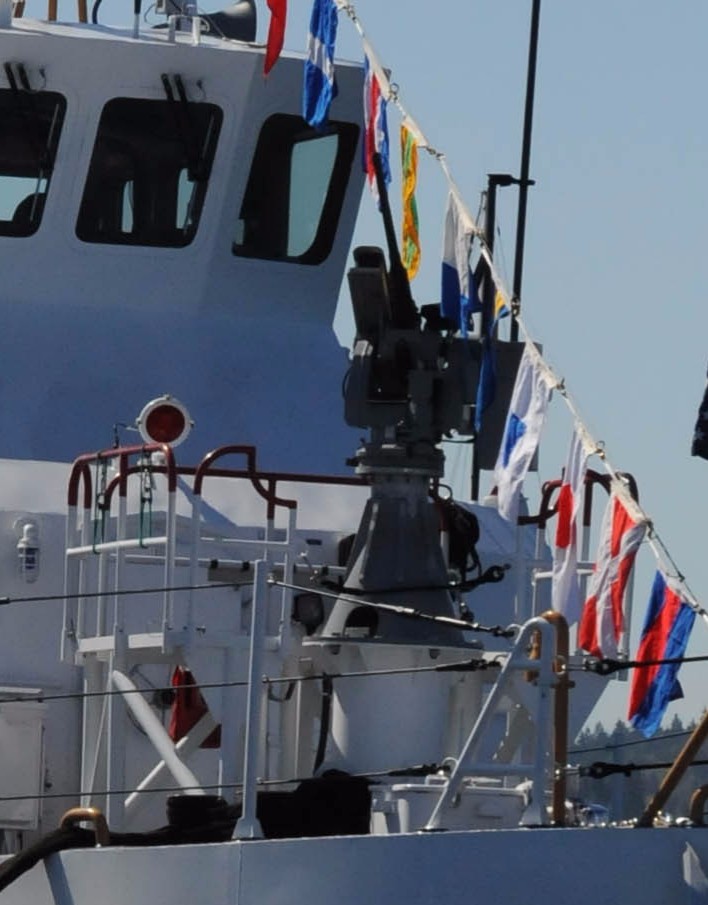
column 390, row 91
column 638, row 514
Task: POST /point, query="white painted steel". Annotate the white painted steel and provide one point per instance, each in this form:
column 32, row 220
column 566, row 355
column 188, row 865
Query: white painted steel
column 183, row 748
column 248, row 826
column 513, row 867
column 156, row 733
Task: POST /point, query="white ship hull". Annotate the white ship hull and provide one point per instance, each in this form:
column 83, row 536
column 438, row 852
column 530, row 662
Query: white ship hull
column 515, row 867
column 346, row 677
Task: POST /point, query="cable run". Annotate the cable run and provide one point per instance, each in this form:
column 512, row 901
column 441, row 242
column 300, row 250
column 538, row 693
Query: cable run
column 471, row 665
column 605, row 666
column 600, row 769
column 416, row 770
column 498, row 631
column 632, row 743
column 391, row 92
column 124, row 592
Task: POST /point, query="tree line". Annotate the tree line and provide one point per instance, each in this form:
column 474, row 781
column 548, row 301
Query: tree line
column 625, row 795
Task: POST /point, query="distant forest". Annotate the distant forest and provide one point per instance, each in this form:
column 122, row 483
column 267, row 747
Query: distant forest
column 625, row 796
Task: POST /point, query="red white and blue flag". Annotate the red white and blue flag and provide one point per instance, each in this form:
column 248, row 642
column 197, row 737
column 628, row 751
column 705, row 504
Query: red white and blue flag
column 603, row 621
column 565, row 592
column 667, row 627
column 375, row 130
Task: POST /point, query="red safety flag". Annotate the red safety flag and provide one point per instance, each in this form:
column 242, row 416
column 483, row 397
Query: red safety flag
column 188, row 708
column 276, row 33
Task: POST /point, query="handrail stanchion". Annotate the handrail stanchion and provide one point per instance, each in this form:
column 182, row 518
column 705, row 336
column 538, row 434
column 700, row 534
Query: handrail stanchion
column 170, row 556
column 560, row 713
column 675, row 774
column 518, row 660
column 248, row 825
column 121, row 534
column 74, row 576
column 194, row 561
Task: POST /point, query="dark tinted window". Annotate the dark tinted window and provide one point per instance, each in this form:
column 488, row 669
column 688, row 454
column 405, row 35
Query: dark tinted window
column 30, row 123
column 295, row 190
column 149, row 172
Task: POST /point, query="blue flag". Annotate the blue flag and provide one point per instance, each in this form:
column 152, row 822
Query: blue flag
column 319, row 88
column 699, row 447
column 487, row 386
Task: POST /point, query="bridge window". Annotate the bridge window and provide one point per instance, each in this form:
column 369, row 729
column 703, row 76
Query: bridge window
column 295, row 190
column 30, row 124
column 149, row 172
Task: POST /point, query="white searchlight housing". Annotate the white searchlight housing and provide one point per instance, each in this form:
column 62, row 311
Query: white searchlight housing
column 164, row 420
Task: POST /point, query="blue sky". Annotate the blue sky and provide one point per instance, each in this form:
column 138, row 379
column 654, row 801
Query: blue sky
column 613, row 284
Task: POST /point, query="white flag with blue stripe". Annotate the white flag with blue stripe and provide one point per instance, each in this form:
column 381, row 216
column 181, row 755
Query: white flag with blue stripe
column 319, row 88
column 458, row 298
column 524, row 422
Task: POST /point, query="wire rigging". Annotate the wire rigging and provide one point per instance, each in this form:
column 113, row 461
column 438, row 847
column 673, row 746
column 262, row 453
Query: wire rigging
column 391, row 92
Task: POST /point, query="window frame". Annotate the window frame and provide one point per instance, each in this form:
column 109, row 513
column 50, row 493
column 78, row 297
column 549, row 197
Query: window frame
column 44, row 142
column 267, row 195
column 121, row 167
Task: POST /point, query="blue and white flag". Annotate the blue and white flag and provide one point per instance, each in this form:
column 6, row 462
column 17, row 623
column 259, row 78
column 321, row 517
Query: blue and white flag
column 319, row 88
column 524, row 423
column 459, row 296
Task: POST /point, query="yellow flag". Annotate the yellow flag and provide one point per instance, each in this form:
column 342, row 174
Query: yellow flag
column 410, row 250
column 500, row 308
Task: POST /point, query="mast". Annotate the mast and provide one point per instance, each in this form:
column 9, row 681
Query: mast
column 525, row 160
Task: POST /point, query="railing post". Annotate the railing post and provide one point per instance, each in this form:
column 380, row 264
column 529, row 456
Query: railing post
column 248, row 825
column 672, row 778
column 170, row 555
column 518, row 660
column 560, row 713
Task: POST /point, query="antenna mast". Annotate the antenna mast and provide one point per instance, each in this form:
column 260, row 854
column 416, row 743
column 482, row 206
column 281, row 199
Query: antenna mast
column 525, row 159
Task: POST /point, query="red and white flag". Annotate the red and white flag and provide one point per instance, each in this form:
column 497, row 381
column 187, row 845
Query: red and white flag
column 565, row 593
column 603, row 621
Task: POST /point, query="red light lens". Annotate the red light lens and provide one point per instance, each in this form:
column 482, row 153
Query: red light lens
column 165, row 423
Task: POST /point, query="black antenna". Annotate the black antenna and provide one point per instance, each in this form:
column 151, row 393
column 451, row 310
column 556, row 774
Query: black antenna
column 404, row 313
column 524, row 175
